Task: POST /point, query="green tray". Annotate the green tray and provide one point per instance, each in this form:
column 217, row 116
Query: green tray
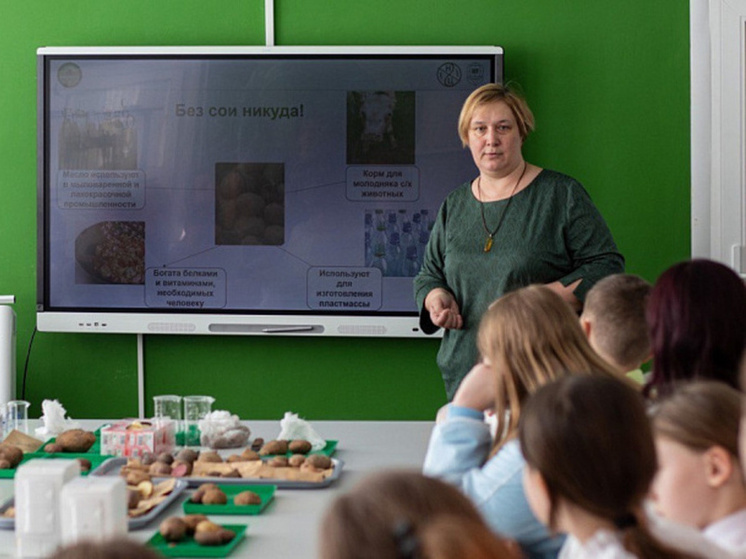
column 189, row 548
column 96, row 460
column 266, row 492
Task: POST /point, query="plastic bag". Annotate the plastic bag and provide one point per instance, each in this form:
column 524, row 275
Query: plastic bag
column 220, row 429
column 292, row 427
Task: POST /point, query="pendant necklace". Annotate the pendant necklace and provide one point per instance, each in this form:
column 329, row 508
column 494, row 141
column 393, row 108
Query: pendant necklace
column 491, row 234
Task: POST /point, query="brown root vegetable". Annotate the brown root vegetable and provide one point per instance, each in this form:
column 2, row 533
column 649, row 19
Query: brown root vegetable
column 173, row 529
column 201, row 490
column 299, row 446
column 11, row 453
column 76, row 440
column 208, row 533
column 5, row 464
column 165, row 458
column 160, row 469
column 278, row 462
column 181, row 469
column 53, row 448
column 187, row 455
column 274, row 447
column 257, row 443
column 234, row 458
column 296, row 460
column 214, row 497
column 250, row 455
column 319, row 461
column 247, row 498
column 145, row 488
column 192, row 520
column 135, row 477
column 85, row 464
column 210, row 456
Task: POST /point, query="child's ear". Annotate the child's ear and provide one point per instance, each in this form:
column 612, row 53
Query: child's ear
column 719, row 466
column 585, row 324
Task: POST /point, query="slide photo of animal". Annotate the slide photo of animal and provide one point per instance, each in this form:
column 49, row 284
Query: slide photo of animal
column 380, row 127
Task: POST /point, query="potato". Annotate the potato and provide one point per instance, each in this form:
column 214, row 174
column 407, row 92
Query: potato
column 296, row 460
column 173, row 529
column 192, row 520
column 165, row 458
column 4, row 464
column 247, row 498
column 257, row 443
column 201, row 490
column 181, row 469
column 85, row 464
column 214, row 497
column 299, row 446
column 278, row 462
column 11, row 453
column 274, row 447
column 209, row 533
column 135, row 477
column 53, row 448
column 209, row 456
column 160, row 469
column 76, row 440
column 319, row 461
column 249, row 455
column 187, row 455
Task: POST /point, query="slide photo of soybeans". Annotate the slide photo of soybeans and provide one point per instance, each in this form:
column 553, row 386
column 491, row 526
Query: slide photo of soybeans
column 249, row 203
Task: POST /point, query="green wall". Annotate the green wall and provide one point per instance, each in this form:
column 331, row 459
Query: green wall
column 608, row 82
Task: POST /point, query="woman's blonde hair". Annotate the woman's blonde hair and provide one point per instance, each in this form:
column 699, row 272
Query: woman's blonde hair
column 531, row 337
column 495, row 93
column 700, row 415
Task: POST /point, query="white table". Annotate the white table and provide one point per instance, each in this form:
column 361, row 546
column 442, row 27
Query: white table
column 290, row 525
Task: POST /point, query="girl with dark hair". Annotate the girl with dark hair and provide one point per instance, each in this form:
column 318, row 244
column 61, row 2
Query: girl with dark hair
column 696, row 318
column 590, row 459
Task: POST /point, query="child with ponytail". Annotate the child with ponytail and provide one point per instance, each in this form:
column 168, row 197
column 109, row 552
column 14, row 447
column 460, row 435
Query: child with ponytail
column 590, row 459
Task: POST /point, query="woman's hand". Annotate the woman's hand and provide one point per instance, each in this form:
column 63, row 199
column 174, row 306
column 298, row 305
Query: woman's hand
column 443, row 309
column 566, row 292
column 477, row 390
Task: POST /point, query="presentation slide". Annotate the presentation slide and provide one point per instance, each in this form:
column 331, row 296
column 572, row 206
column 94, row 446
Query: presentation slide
column 270, row 184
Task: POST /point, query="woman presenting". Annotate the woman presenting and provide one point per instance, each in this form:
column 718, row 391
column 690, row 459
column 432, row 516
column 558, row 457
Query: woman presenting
column 515, row 224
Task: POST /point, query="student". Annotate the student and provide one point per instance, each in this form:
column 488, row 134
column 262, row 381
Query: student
column 696, row 317
column 699, row 481
column 590, row 459
column 399, row 514
column 613, row 319
column 527, row 338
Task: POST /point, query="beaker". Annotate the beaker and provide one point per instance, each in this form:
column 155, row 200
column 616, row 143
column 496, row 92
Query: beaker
column 16, row 417
column 168, row 406
column 195, row 408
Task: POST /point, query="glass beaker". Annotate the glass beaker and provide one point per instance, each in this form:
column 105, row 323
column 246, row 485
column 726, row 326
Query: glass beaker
column 195, row 408
column 168, row 406
column 16, row 417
